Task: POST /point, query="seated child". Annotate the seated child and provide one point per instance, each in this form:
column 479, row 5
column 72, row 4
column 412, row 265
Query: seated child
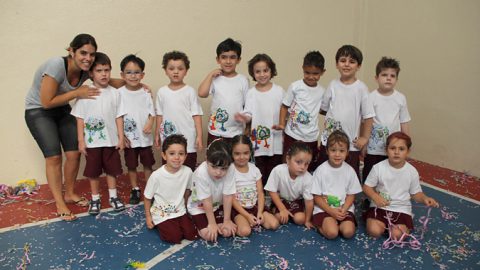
column 249, row 204
column 213, row 190
column 100, row 134
column 391, row 185
column 289, row 187
column 334, row 186
column 167, row 188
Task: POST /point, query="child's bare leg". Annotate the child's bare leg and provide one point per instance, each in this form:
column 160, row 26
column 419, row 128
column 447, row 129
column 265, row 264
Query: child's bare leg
column 399, row 230
column 329, row 228
column 269, row 221
column 375, row 228
column 95, row 186
column 347, row 229
column 147, row 171
column 111, row 182
column 243, row 227
column 225, row 233
column 299, row 218
column 132, row 175
column 70, row 172
column 203, row 233
column 277, row 217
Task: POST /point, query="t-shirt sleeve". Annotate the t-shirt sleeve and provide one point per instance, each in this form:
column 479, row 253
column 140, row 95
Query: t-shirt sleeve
column 272, row 183
column 415, row 182
column 78, row 109
column 55, row 68
column 354, row 186
column 404, row 114
column 307, row 187
column 159, row 102
column 249, row 104
column 189, row 175
column 149, row 103
column 203, row 188
column 195, row 107
column 367, row 109
column 317, row 182
column 373, row 176
column 288, row 97
column 257, row 173
column 327, row 97
column 229, row 186
column 151, row 186
column 121, row 110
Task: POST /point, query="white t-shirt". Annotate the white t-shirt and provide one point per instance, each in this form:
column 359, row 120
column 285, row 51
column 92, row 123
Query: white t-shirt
column 346, row 105
column 204, row 187
column 178, row 108
column 396, row 185
column 99, row 116
column 138, row 107
column 289, row 189
column 228, row 99
column 390, row 112
column 167, row 190
column 304, row 106
column 336, row 184
column 264, row 108
column 247, row 186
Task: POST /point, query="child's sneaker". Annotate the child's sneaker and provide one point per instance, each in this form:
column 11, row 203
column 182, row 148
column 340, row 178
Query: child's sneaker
column 117, row 204
column 134, row 196
column 94, row 208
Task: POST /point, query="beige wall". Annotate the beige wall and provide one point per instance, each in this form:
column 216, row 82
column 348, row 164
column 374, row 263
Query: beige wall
column 435, row 42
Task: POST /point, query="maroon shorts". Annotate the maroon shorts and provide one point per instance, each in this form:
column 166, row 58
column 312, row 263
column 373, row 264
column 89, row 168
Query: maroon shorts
column 287, row 143
column 211, row 138
column 353, row 159
column 266, row 164
column 102, row 159
column 368, row 163
column 253, row 211
column 176, row 229
column 317, row 219
column 190, row 161
column 396, row 217
column 292, row 206
column 201, row 220
column 133, row 154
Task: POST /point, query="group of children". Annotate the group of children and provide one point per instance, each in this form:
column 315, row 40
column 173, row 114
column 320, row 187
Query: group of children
column 258, row 138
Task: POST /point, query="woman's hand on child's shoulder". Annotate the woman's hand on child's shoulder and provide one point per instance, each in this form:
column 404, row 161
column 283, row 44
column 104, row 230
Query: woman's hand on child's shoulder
column 87, row 91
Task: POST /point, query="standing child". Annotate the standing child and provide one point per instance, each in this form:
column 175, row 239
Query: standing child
column 346, row 104
column 249, row 204
column 168, row 188
column 391, row 112
column 334, row 186
column 137, row 122
column 228, row 89
column 302, row 104
column 289, row 187
column 391, row 185
column 262, row 107
column 178, row 109
column 213, row 190
column 100, row 134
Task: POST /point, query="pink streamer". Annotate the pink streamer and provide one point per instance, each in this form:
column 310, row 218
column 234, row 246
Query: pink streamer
column 86, row 257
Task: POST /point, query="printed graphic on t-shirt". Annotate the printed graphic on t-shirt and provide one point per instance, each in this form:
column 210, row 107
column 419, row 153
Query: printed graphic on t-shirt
column 196, row 203
column 330, row 126
column 378, row 138
column 164, row 210
column 333, row 201
column 168, row 128
column 385, row 196
column 259, row 134
column 130, row 128
column 218, row 117
column 247, row 196
column 93, row 126
column 298, row 117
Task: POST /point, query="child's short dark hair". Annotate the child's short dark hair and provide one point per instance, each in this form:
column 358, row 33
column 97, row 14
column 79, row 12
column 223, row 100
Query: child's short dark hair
column 314, row 58
column 261, row 57
column 349, row 51
column 229, row 45
column 400, row 136
column 338, row 136
column 174, row 139
column 134, row 59
column 175, row 55
column 101, row 59
column 219, row 153
column 297, row 147
column 385, row 63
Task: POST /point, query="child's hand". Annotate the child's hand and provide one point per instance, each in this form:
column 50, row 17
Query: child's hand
column 212, row 232
column 278, row 127
column 429, row 201
column 147, row 129
column 82, row 148
column 284, row 216
column 158, row 142
column 198, row 144
column 228, row 228
column 359, row 143
column 252, row 220
column 147, row 88
column 242, row 118
column 380, row 201
column 121, row 144
column 338, row 214
column 149, row 222
column 309, row 225
column 87, row 91
column 216, row 72
column 260, row 218
column 127, row 142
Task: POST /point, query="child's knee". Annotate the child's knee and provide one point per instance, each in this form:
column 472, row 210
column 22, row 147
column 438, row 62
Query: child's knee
column 244, row 231
column 271, row 224
column 299, row 218
column 348, row 232
column 329, row 232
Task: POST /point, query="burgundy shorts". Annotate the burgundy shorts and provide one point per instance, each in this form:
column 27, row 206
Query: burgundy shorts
column 368, row 163
column 266, row 164
column 176, row 229
column 102, row 159
column 133, row 154
column 292, row 206
column 287, row 143
column 317, row 219
column 253, row 211
column 353, row 159
column 211, row 138
column 190, row 161
column 201, row 220
column 396, row 217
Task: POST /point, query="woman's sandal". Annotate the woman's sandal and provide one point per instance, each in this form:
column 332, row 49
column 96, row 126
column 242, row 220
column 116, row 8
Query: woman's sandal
column 82, row 202
column 67, row 216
